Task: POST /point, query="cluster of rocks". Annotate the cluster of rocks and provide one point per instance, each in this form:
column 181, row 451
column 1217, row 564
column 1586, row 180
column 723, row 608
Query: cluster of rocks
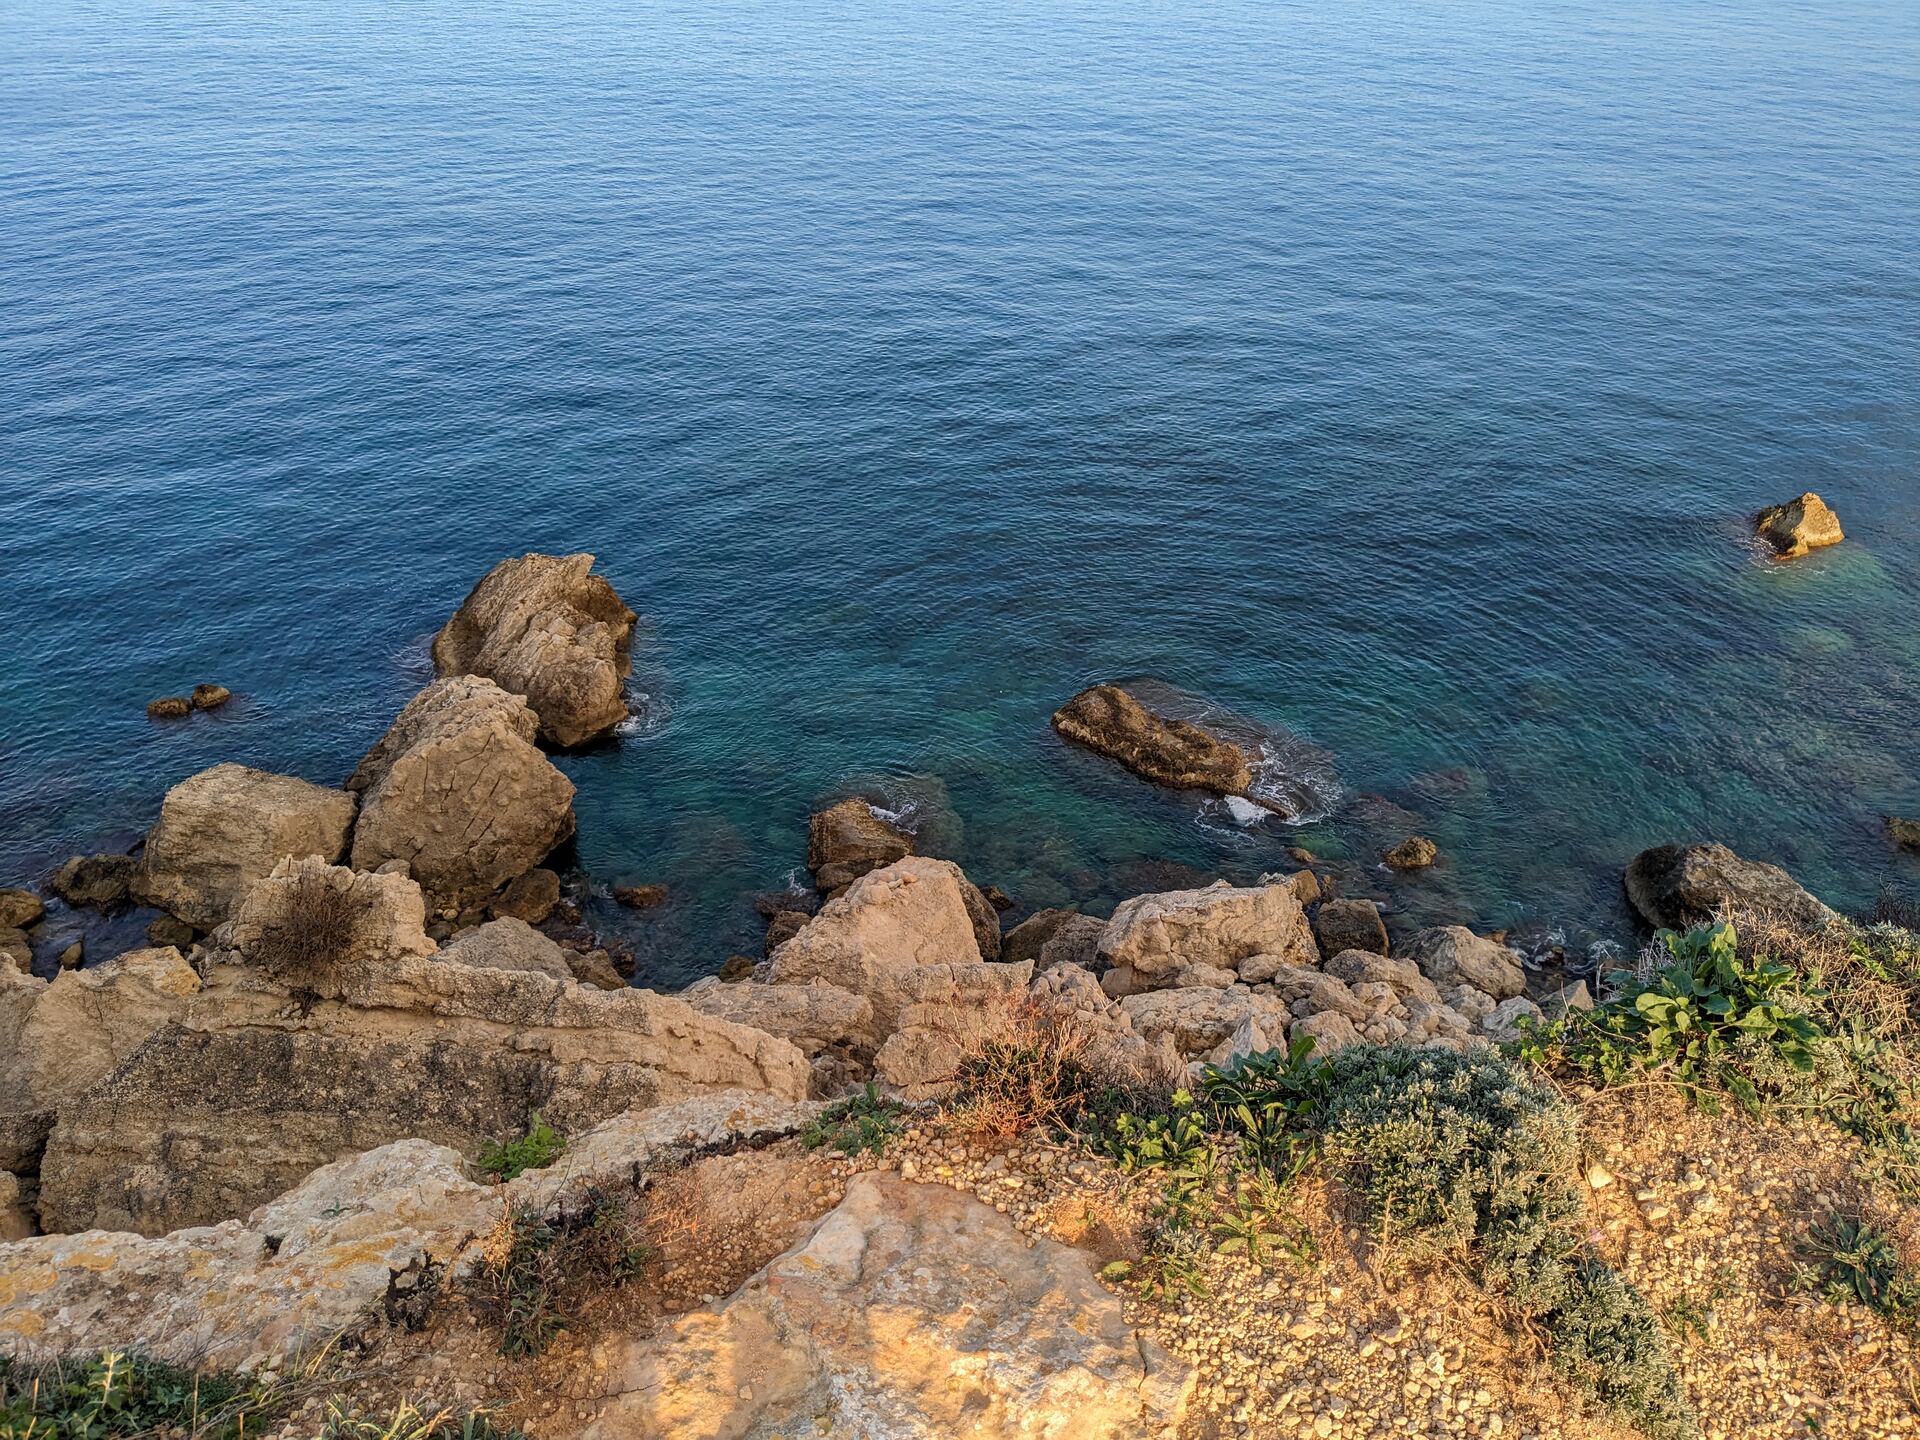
column 178, row 707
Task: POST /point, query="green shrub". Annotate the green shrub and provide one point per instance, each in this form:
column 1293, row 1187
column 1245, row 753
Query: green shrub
column 1849, row 1259
column 536, row 1150
column 1608, row 1342
column 1272, row 1102
column 1460, row 1157
column 861, row 1123
column 116, row 1394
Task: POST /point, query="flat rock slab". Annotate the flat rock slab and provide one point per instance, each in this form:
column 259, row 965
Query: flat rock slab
column 912, row 1312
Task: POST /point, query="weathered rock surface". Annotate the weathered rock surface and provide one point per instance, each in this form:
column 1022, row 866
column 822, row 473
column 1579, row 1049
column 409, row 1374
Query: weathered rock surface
column 1797, row 526
column 847, row 840
column 221, row 830
column 1075, row 942
column 16, row 951
column 169, row 707
column 1198, row 1019
column 813, row 1016
column 887, row 924
column 1416, row 852
column 1152, row 938
column 1025, row 940
column 20, row 909
column 1903, row 832
column 1107, row 719
column 210, row 697
column 1677, row 886
column 941, row 1008
column 93, row 879
column 508, row 944
column 985, row 918
column 1454, row 955
column 911, row 1312
column 349, row 1240
column 16, row 1208
column 458, row 790
column 544, row 627
column 73, row 1032
column 1340, row 925
column 310, row 923
column 532, row 897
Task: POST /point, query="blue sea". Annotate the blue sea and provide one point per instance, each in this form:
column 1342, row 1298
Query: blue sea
column 1395, row 378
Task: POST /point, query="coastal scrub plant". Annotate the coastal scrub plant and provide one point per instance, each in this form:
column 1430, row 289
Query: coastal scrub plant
column 119, row 1393
column 535, row 1150
column 1850, row 1259
column 409, row 1422
column 1607, row 1341
column 536, row 1269
column 861, row 1124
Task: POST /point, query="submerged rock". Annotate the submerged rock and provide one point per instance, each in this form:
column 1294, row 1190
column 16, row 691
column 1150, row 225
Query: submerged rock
column 169, row 707
column 1677, row 886
column 458, row 790
column 224, row 829
column 847, row 840
column 543, row 627
column 867, row 1326
column 1107, row 719
column 1797, row 526
column 639, row 897
column 1903, row 832
column 210, row 697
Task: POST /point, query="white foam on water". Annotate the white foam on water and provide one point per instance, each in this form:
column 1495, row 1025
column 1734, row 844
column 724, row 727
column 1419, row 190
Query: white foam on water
column 1244, row 811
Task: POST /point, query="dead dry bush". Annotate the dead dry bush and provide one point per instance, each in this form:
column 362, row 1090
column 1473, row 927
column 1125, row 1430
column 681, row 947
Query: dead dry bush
column 1026, row 1066
column 314, row 928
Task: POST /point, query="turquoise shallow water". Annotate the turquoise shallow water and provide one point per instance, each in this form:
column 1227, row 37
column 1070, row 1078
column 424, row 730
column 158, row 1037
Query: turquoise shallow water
column 1396, row 376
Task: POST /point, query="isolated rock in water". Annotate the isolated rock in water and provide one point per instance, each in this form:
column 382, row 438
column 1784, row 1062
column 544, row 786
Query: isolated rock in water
column 1677, row 886
column 93, row 879
column 1349, row 925
column 458, row 790
column 324, row 927
column 1156, row 936
column 509, row 944
column 1798, row 526
column 1454, row 955
column 640, row 897
column 847, row 840
column 911, row 1312
column 1171, row 752
column 543, row 627
column 210, row 697
column 225, row 828
column 532, row 897
column 1416, row 852
column 20, row 910
column 887, row 923
column 1903, row 832
column 595, row 968
column 169, row 707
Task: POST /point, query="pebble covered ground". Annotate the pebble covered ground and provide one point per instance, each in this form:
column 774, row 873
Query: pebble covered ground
column 1331, row 1340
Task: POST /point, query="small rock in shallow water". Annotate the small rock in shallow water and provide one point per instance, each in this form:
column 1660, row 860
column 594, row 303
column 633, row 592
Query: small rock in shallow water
column 169, row 707
column 210, row 697
column 71, row 957
column 1416, row 852
column 94, row 879
column 639, row 897
column 1798, row 526
column 738, row 967
column 1903, row 832
column 20, row 909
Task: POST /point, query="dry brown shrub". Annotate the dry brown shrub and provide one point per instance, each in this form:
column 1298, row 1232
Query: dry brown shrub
column 316, row 925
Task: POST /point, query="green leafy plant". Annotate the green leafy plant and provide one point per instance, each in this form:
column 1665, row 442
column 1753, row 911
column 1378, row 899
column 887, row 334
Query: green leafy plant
column 860, row 1124
column 1849, row 1259
column 1608, row 1342
column 1172, row 1265
column 1272, row 1101
column 128, row 1394
column 536, row 1150
column 1250, row 1224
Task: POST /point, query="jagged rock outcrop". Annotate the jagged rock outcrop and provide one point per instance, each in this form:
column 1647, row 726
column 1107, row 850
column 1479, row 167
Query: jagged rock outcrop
column 345, row 1244
column 311, row 924
column 942, row 1008
column 1453, row 954
column 1676, row 886
column 458, row 790
column 911, row 1312
column 1340, row 925
column 508, row 944
column 1798, row 526
column 72, row 1032
column 1105, row 718
column 544, row 627
column 814, row 1016
column 847, row 840
column 1026, row 940
column 221, row 830
column 1176, row 938
column 887, row 924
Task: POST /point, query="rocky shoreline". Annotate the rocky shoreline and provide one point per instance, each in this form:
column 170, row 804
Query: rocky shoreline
column 261, row 1132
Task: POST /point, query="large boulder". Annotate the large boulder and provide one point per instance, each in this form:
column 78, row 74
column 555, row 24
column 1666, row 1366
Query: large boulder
column 1107, row 719
column 1677, row 886
column 887, row 924
column 98, row 880
column 508, row 944
column 911, row 1312
column 1797, row 526
column 943, row 1010
column 1454, row 955
column 223, row 829
column 71, row 1034
column 1198, row 1019
column 1152, row 939
column 1340, row 925
column 814, row 1017
column 457, row 789
column 310, row 923
column 543, row 627
column 847, row 840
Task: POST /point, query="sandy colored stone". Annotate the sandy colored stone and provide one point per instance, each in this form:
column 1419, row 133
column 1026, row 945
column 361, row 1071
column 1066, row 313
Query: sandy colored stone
column 458, row 790
column 74, row 1031
column 1798, row 526
column 1155, row 936
column 20, row 910
column 544, row 627
column 1349, row 925
column 910, row 1312
column 1678, row 886
column 812, row 1016
column 847, row 840
column 221, row 830
column 98, row 880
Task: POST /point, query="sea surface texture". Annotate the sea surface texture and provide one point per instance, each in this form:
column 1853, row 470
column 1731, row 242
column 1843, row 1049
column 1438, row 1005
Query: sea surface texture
column 1396, row 378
